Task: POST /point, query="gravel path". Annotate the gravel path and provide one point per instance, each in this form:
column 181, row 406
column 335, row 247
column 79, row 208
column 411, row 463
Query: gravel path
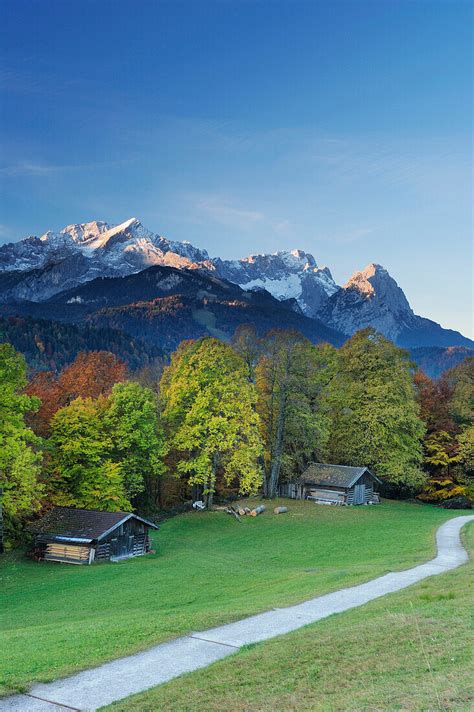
column 112, row 681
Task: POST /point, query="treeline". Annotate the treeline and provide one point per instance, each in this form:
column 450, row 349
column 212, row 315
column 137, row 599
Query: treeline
column 229, row 419
column 51, row 345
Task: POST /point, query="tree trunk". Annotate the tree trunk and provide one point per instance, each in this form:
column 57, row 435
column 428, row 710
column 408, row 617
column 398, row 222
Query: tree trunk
column 278, row 451
column 212, row 481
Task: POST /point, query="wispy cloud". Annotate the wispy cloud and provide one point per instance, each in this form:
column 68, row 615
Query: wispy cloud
column 222, row 211
column 28, row 168
column 347, row 237
column 42, row 170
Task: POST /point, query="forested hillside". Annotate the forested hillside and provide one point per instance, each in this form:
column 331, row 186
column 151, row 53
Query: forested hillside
column 49, row 345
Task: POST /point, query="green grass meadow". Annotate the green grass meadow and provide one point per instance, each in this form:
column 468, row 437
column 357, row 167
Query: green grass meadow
column 410, row 651
column 208, row 569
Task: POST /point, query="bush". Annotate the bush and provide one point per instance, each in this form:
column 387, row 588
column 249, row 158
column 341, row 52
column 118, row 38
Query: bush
column 460, row 502
column 441, row 490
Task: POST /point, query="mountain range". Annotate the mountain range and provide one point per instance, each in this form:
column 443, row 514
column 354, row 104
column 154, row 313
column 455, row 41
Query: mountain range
column 127, row 277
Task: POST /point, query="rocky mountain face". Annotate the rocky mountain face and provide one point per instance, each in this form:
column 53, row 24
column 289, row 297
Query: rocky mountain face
column 285, row 275
column 373, row 298
column 56, row 264
column 369, row 298
column 37, row 268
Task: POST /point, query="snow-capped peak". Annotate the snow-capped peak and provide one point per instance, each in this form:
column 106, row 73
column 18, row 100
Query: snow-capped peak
column 85, row 231
column 84, row 251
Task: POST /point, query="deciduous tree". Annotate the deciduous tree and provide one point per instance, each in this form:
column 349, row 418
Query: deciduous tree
column 434, row 398
column 375, row 416
column 290, row 376
column 248, row 345
column 209, row 409
column 461, row 379
column 83, row 473
column 20, row 456
column 92, row 374
column 132, row 423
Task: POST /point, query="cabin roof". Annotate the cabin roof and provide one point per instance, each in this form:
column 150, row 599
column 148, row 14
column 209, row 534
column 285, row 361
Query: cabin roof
column 319, row 473
column 81, row 525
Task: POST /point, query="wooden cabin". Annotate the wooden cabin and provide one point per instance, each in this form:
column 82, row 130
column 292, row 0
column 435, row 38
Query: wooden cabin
column 334, row 484
column 82, row 536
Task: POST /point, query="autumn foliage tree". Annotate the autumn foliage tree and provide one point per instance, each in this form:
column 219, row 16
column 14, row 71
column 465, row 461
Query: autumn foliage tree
column 209, row 411
column 46, row 388
column 291, row 375
column 434, row 399
column 92, row 374
column 375, row 417
column 447, row 407
column 104, row 452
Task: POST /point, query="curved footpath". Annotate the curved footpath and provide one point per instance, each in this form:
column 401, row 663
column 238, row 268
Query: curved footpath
column 112, row 681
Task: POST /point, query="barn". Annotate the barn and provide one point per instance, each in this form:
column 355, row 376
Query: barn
column 334, row 484
column 82, row 536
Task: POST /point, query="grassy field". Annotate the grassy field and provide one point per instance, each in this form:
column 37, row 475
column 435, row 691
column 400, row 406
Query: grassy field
column 208, row 569
column 409, row 651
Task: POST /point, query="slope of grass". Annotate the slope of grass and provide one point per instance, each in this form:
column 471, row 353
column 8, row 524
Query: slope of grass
column 208, row 569
column 408, row 651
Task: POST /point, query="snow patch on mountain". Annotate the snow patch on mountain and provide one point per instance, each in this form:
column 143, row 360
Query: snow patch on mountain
column 286, row 275
column 284, row 288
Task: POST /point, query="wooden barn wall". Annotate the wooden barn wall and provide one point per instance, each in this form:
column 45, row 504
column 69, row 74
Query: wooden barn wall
column 130, row 538
column 366, row 479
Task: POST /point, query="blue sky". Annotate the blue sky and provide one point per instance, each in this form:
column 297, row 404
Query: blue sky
column 341, row 128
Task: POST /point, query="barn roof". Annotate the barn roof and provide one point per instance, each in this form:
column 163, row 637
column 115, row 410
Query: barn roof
column 81, row 525
column 333, row 475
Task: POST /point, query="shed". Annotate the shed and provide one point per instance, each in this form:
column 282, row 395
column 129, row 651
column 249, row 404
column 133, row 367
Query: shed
column 334, row 484
column 81, row 536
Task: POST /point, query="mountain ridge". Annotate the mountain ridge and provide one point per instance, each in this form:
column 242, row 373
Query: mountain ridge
column 164, row 305
column 37, row 269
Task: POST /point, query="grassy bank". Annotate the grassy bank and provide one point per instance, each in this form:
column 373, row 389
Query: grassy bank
column 409, row 651
column 208, row 569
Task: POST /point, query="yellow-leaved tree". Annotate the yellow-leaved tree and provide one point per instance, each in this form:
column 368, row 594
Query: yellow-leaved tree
column 210, row 416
